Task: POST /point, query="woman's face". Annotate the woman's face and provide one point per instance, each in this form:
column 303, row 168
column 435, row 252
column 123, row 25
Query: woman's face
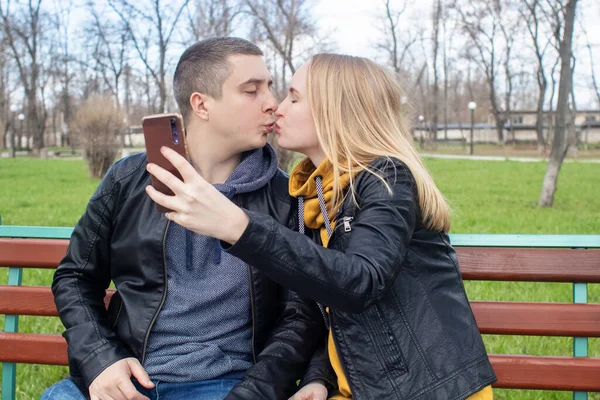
column 295, row 127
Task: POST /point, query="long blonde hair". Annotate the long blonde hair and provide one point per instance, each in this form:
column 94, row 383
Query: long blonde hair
column 359, row 116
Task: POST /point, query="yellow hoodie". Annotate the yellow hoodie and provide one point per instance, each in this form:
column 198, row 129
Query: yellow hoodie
column 303, row 183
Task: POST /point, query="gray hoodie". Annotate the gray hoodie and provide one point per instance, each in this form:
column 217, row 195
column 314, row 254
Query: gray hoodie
column 204, row 329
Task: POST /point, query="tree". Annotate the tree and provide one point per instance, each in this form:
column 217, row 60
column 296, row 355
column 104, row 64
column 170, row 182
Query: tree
column 22, row 29
column 533, row 15
column 509, row 32
column 161, row 21
column 481, row 21
column 99, row 126
column 396, row 44
column 595, row 83
column 110, row 41
column 437, row 16
column 563, row 24
column 210, row 18
column 287, row 29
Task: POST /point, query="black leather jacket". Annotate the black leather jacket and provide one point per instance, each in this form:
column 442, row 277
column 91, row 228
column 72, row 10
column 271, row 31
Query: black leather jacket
column 401, row 321
column 121, row 237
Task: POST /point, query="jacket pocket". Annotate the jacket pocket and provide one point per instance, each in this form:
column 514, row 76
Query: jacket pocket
column 384, row 341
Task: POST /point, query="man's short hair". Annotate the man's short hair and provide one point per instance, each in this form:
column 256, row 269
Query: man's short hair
column 204, row 66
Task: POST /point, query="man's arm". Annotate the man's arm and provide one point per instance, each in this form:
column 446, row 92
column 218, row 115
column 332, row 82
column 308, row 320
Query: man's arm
column 79, row 288
column 289, row 349
column 319, row 369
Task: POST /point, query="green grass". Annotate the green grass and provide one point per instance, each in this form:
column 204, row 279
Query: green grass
column 46, row 193
column 486, row 197
column 501, row 197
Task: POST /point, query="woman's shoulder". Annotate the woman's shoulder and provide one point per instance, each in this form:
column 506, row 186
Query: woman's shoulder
column 391, row 169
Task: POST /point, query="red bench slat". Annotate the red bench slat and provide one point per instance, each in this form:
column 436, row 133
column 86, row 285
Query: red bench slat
column 547, row 373
column 529, row 265
column 32, row 253
column 31, row 300
column 541, row 319
column 33, row 348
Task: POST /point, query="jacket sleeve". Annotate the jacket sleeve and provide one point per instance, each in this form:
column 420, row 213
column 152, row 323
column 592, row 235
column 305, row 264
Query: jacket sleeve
column 320, row 369
column 349, row 280
column 80, row 284
column 289, row 348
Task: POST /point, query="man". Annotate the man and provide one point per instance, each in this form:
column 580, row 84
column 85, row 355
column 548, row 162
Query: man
column 188, row 320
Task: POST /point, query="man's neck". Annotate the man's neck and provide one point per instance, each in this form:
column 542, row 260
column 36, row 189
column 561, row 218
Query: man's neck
column 211, row 158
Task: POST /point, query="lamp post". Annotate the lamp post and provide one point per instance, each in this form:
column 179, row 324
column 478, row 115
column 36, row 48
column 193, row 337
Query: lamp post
column 421, row 119
column 21, row 117
column 472, row 106
column 13, row 110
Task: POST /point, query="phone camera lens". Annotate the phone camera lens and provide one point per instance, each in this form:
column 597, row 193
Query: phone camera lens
column 174, row 131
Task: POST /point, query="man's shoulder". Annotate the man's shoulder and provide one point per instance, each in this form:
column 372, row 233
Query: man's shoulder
column 128, row 166
column 279, row 185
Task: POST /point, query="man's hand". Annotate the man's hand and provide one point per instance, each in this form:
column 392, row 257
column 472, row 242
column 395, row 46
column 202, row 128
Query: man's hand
column 114, row 383
column 312, row 391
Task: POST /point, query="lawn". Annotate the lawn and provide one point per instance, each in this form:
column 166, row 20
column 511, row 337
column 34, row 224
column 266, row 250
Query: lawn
column 486, row 197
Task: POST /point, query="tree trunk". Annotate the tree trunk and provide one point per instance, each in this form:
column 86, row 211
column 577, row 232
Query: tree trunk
column 437, row 14
column 559, row 145
column 539, row 123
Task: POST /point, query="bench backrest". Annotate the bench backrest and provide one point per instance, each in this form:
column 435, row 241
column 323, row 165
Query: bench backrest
column 532, row 258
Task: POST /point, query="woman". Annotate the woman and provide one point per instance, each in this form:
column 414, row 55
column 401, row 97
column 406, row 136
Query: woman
column 379, row 262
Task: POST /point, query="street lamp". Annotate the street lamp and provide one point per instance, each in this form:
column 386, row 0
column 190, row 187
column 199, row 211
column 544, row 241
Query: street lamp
column 21, row 117
column 13, row 110
column 472, row 106
column 421, row 119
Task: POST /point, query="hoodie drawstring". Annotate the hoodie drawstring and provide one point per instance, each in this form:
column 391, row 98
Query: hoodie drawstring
column 322, row 205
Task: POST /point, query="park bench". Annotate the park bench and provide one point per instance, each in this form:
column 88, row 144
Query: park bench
column 529, row 258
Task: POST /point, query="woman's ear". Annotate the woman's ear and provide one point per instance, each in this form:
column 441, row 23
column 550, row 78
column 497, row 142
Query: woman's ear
column 199, row 102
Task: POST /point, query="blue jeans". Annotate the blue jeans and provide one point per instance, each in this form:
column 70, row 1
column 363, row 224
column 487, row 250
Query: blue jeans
column 207, row 390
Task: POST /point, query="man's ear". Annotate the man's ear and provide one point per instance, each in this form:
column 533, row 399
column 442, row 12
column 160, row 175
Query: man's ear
column 200, row 104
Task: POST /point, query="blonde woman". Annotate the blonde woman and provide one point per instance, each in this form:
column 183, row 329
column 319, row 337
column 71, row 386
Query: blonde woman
column 372, row 248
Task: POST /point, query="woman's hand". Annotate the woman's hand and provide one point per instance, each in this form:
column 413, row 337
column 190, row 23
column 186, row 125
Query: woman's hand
column 312, row 391
column 196, row 205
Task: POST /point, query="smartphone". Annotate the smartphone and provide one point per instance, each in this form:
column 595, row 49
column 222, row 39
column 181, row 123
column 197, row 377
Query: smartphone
column 164, row 130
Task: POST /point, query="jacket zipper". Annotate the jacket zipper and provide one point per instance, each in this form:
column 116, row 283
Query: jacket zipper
column 347, row 228
column 324, row 314
column 337, row 350
column 252, row 312
column 238, row 202
column 346, row 221
column 162, row 301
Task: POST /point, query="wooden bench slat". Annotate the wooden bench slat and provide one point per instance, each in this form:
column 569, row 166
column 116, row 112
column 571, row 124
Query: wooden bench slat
column 477, row 263
column 32, row 253
column 529, row 265
column 32, row 300
column 541, row 319
column 501, row 318
column 546, row 373
column 513, row 371
column 30, row 348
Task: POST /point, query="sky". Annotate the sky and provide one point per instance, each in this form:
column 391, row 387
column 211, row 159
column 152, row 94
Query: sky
column 352, row 26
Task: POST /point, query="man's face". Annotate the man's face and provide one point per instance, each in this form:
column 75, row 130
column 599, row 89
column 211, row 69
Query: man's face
column 243, row 116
